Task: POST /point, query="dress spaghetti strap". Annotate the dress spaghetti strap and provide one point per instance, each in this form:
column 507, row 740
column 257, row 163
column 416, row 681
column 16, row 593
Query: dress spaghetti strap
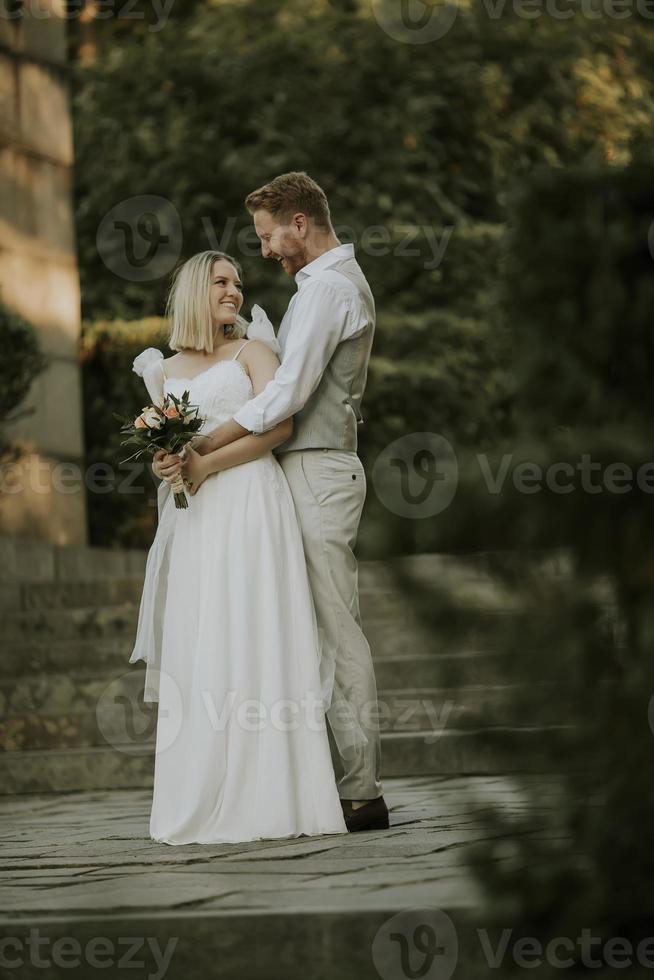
column 240, row 349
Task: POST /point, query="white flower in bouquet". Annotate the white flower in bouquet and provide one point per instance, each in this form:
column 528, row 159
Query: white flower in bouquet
column 151, row 417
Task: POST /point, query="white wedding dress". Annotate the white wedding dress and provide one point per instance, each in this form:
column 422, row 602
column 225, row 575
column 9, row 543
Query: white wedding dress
column 228, row 628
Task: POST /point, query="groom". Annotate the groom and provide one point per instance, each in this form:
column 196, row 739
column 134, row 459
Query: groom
column 325, row 340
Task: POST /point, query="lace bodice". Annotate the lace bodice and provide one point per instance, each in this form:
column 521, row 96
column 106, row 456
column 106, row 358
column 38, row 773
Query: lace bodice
column 218, row 392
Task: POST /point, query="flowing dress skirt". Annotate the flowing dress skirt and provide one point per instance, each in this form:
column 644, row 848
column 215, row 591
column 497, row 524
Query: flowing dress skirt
column 242, row 748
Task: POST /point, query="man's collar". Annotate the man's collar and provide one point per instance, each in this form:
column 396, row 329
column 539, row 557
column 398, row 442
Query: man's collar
column 324, row 261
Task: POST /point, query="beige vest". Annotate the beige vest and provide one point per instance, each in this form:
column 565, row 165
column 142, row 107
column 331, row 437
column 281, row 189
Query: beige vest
column 330, row 417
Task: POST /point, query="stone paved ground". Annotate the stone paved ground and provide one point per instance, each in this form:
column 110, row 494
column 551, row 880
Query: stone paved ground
column 82, row 865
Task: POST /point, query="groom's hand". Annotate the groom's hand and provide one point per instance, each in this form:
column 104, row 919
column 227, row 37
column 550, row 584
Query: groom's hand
column 194, row 469
column 200, row 445
column 223, row 435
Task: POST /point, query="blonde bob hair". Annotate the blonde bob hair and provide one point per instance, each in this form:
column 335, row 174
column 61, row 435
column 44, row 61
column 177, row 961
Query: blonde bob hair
column 188, row 308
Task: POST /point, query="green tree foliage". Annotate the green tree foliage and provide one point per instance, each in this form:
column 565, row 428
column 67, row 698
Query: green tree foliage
column 402, row 136
column 419, row 147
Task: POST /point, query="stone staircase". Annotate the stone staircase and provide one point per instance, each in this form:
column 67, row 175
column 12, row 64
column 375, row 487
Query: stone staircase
column 71, row 710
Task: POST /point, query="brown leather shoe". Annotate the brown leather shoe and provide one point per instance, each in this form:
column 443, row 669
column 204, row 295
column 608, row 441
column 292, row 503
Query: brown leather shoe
column 372, row 816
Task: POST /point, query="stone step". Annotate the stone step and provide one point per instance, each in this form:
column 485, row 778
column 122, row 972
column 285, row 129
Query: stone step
column 379, row 600
column 38, row 576
column 487, row 632
column 60, row 588
column 120, row 716
column 498, row 749
column 90, row 611
column 77, row 595
column 45, row 659
column 29, row 560
column 482, row 566
column 61, row 693
column 93, row 639
column 454, row 669
column 46, row 625
column 473, row 706
column 118, row 618
column 77, row 691
column 502, row 749
column 26, row 559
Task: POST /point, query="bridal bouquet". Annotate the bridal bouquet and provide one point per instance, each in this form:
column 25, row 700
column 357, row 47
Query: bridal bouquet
column 169, row 427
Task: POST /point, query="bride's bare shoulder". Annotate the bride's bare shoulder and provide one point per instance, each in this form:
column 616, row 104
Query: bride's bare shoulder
column 175, row 363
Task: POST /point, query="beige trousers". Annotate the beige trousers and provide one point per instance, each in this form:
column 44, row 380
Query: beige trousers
column 329, row 489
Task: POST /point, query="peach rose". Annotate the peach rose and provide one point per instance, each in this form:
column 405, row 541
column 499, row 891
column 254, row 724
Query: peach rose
column 171, row 412
column 139, row 423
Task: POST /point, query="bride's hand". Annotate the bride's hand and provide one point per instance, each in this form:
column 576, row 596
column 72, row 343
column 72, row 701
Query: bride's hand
column 194, row 469
column 166, row 465
column 156, row 463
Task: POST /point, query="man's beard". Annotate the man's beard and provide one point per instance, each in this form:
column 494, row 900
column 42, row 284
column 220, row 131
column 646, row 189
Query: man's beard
column 295, row 262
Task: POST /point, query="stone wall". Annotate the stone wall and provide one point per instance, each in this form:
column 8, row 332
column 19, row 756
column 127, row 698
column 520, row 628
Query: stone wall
column 38, row 267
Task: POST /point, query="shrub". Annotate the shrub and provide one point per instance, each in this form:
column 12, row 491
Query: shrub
column 17, row 372
column 125, row 513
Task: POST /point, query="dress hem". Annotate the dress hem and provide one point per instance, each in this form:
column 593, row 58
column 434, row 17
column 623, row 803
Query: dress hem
column 248, row 840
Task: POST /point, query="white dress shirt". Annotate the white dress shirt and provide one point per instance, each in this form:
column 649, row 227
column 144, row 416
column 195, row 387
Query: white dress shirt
column 320, row 316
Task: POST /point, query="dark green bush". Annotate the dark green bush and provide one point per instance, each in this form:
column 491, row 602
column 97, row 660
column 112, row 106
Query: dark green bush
column 579, row 290
column 124, row 515
column 23, row 362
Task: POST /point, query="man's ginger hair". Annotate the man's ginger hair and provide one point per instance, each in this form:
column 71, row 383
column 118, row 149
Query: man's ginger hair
column 291, row 194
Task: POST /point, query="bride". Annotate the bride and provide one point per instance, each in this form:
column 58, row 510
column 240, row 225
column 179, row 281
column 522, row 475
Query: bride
column 227, row 625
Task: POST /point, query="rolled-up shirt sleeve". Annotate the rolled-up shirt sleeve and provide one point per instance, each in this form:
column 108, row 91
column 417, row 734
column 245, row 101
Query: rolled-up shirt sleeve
column 323, row 316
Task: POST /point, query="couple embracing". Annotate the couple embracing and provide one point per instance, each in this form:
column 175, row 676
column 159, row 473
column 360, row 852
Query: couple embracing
column 249, row 620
